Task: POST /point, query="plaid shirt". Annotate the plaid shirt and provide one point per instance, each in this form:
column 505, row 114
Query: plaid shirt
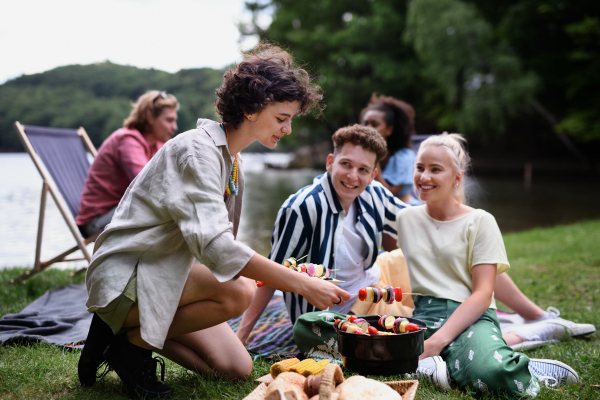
column 311, row 223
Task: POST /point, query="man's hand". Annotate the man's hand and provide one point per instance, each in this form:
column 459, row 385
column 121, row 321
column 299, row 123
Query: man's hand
column 243, row 334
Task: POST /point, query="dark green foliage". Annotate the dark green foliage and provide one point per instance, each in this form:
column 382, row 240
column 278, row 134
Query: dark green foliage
column 353, row 48
column 483, row 83
column 560, row 41
column 516, row 76
column 98, row 97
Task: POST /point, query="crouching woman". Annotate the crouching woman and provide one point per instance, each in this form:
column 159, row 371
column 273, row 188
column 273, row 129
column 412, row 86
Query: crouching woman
column 145, row 289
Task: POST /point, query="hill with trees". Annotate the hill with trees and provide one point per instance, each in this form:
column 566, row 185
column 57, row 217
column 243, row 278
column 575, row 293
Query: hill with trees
column 98, row 97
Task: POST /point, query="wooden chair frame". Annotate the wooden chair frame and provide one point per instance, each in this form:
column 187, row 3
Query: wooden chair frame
column 48, row 186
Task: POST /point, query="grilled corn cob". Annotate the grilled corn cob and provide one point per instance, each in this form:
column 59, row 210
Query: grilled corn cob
column 283, row 366
column 309, row 367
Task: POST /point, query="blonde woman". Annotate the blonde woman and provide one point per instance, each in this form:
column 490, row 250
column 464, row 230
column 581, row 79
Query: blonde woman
column 152, row 121
column 454, row 253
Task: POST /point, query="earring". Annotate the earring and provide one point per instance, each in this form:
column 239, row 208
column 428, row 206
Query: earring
column 456, row 184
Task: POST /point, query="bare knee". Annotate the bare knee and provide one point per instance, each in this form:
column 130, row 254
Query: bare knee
column 234, row 368
column 241, row 296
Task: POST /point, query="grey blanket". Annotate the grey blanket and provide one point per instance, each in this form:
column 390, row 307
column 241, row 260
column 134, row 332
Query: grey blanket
column 58, row 317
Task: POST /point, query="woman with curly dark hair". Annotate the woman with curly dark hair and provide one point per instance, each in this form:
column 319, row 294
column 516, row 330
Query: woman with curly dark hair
column 146, row 289
column 394, row 120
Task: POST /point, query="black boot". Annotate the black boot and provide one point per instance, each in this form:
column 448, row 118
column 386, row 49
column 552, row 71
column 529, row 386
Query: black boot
column 136, row 368
column 92, row 355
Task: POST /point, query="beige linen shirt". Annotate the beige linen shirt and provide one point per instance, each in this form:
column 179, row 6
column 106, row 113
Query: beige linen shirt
column 441, row 254
column 172, row 213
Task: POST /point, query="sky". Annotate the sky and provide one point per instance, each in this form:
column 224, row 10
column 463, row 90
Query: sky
column 39, row 35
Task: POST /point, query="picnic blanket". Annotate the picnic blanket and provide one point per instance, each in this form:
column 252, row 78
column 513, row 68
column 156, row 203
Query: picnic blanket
column 272, row 334
column 60, row 317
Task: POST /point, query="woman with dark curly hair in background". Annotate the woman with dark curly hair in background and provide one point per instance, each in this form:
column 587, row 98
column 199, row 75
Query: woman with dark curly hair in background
column 395, row 121
column 146, row 289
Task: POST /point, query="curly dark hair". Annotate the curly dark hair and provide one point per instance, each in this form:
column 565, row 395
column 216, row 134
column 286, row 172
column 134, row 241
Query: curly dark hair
column 363, row 136
column 267, row 75
column 398, row 114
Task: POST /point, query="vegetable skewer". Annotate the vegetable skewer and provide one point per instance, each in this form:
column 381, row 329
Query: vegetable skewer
column 388, row 294
column 310, row 269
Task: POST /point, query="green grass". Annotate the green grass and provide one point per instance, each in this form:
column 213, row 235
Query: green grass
column 555, row 267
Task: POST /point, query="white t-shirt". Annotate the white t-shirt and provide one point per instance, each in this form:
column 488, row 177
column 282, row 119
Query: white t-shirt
column 441, row 254
column 351, row 262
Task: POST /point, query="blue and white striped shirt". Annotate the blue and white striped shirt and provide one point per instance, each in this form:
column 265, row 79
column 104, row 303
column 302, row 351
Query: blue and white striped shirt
column 311, row 223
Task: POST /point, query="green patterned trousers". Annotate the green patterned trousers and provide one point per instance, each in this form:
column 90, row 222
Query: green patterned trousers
column 478, row 360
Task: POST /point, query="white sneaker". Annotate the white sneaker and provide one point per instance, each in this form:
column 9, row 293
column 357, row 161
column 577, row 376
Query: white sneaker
column 551, row 316
column 509, row 322
column 550, row 329
column 571, row 328
column 532, row 344
column 552, row 373
column 435, row 370
column 540, row 331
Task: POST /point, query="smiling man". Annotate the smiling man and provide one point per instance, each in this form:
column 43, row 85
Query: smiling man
column 340, row 221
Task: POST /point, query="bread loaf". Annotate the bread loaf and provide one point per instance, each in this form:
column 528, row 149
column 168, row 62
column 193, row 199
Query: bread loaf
column 360, row 388
column 331, row 377
column 312, row 384
column 334, row 396
column 287, row 386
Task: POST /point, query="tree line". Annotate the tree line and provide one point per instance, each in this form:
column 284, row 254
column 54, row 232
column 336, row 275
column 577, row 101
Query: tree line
column 515, row 76
column 518, row 77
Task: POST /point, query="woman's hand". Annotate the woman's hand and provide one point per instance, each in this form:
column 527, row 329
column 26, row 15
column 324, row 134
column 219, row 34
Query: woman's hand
column 323, row 294
column 433, row 347
column 467, row 313
column 318, row 292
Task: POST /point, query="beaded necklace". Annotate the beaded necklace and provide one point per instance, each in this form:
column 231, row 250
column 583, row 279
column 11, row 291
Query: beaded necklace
column 232, row 186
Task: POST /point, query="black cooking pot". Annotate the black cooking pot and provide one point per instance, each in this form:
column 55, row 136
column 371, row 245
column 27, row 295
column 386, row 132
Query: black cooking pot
column 382, row 354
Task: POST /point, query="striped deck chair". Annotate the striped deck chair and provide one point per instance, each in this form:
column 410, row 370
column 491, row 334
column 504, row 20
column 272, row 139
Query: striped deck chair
column 60, row 157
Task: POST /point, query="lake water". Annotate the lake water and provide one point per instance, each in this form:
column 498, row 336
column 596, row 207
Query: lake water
column 547, row 203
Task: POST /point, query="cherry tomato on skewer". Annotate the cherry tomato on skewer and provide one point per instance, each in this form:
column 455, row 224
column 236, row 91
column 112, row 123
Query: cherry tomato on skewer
column 398, row 294
column 362, row 294
column 373, row 331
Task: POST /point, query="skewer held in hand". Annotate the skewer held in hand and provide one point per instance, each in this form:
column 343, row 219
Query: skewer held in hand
column 416, row 294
